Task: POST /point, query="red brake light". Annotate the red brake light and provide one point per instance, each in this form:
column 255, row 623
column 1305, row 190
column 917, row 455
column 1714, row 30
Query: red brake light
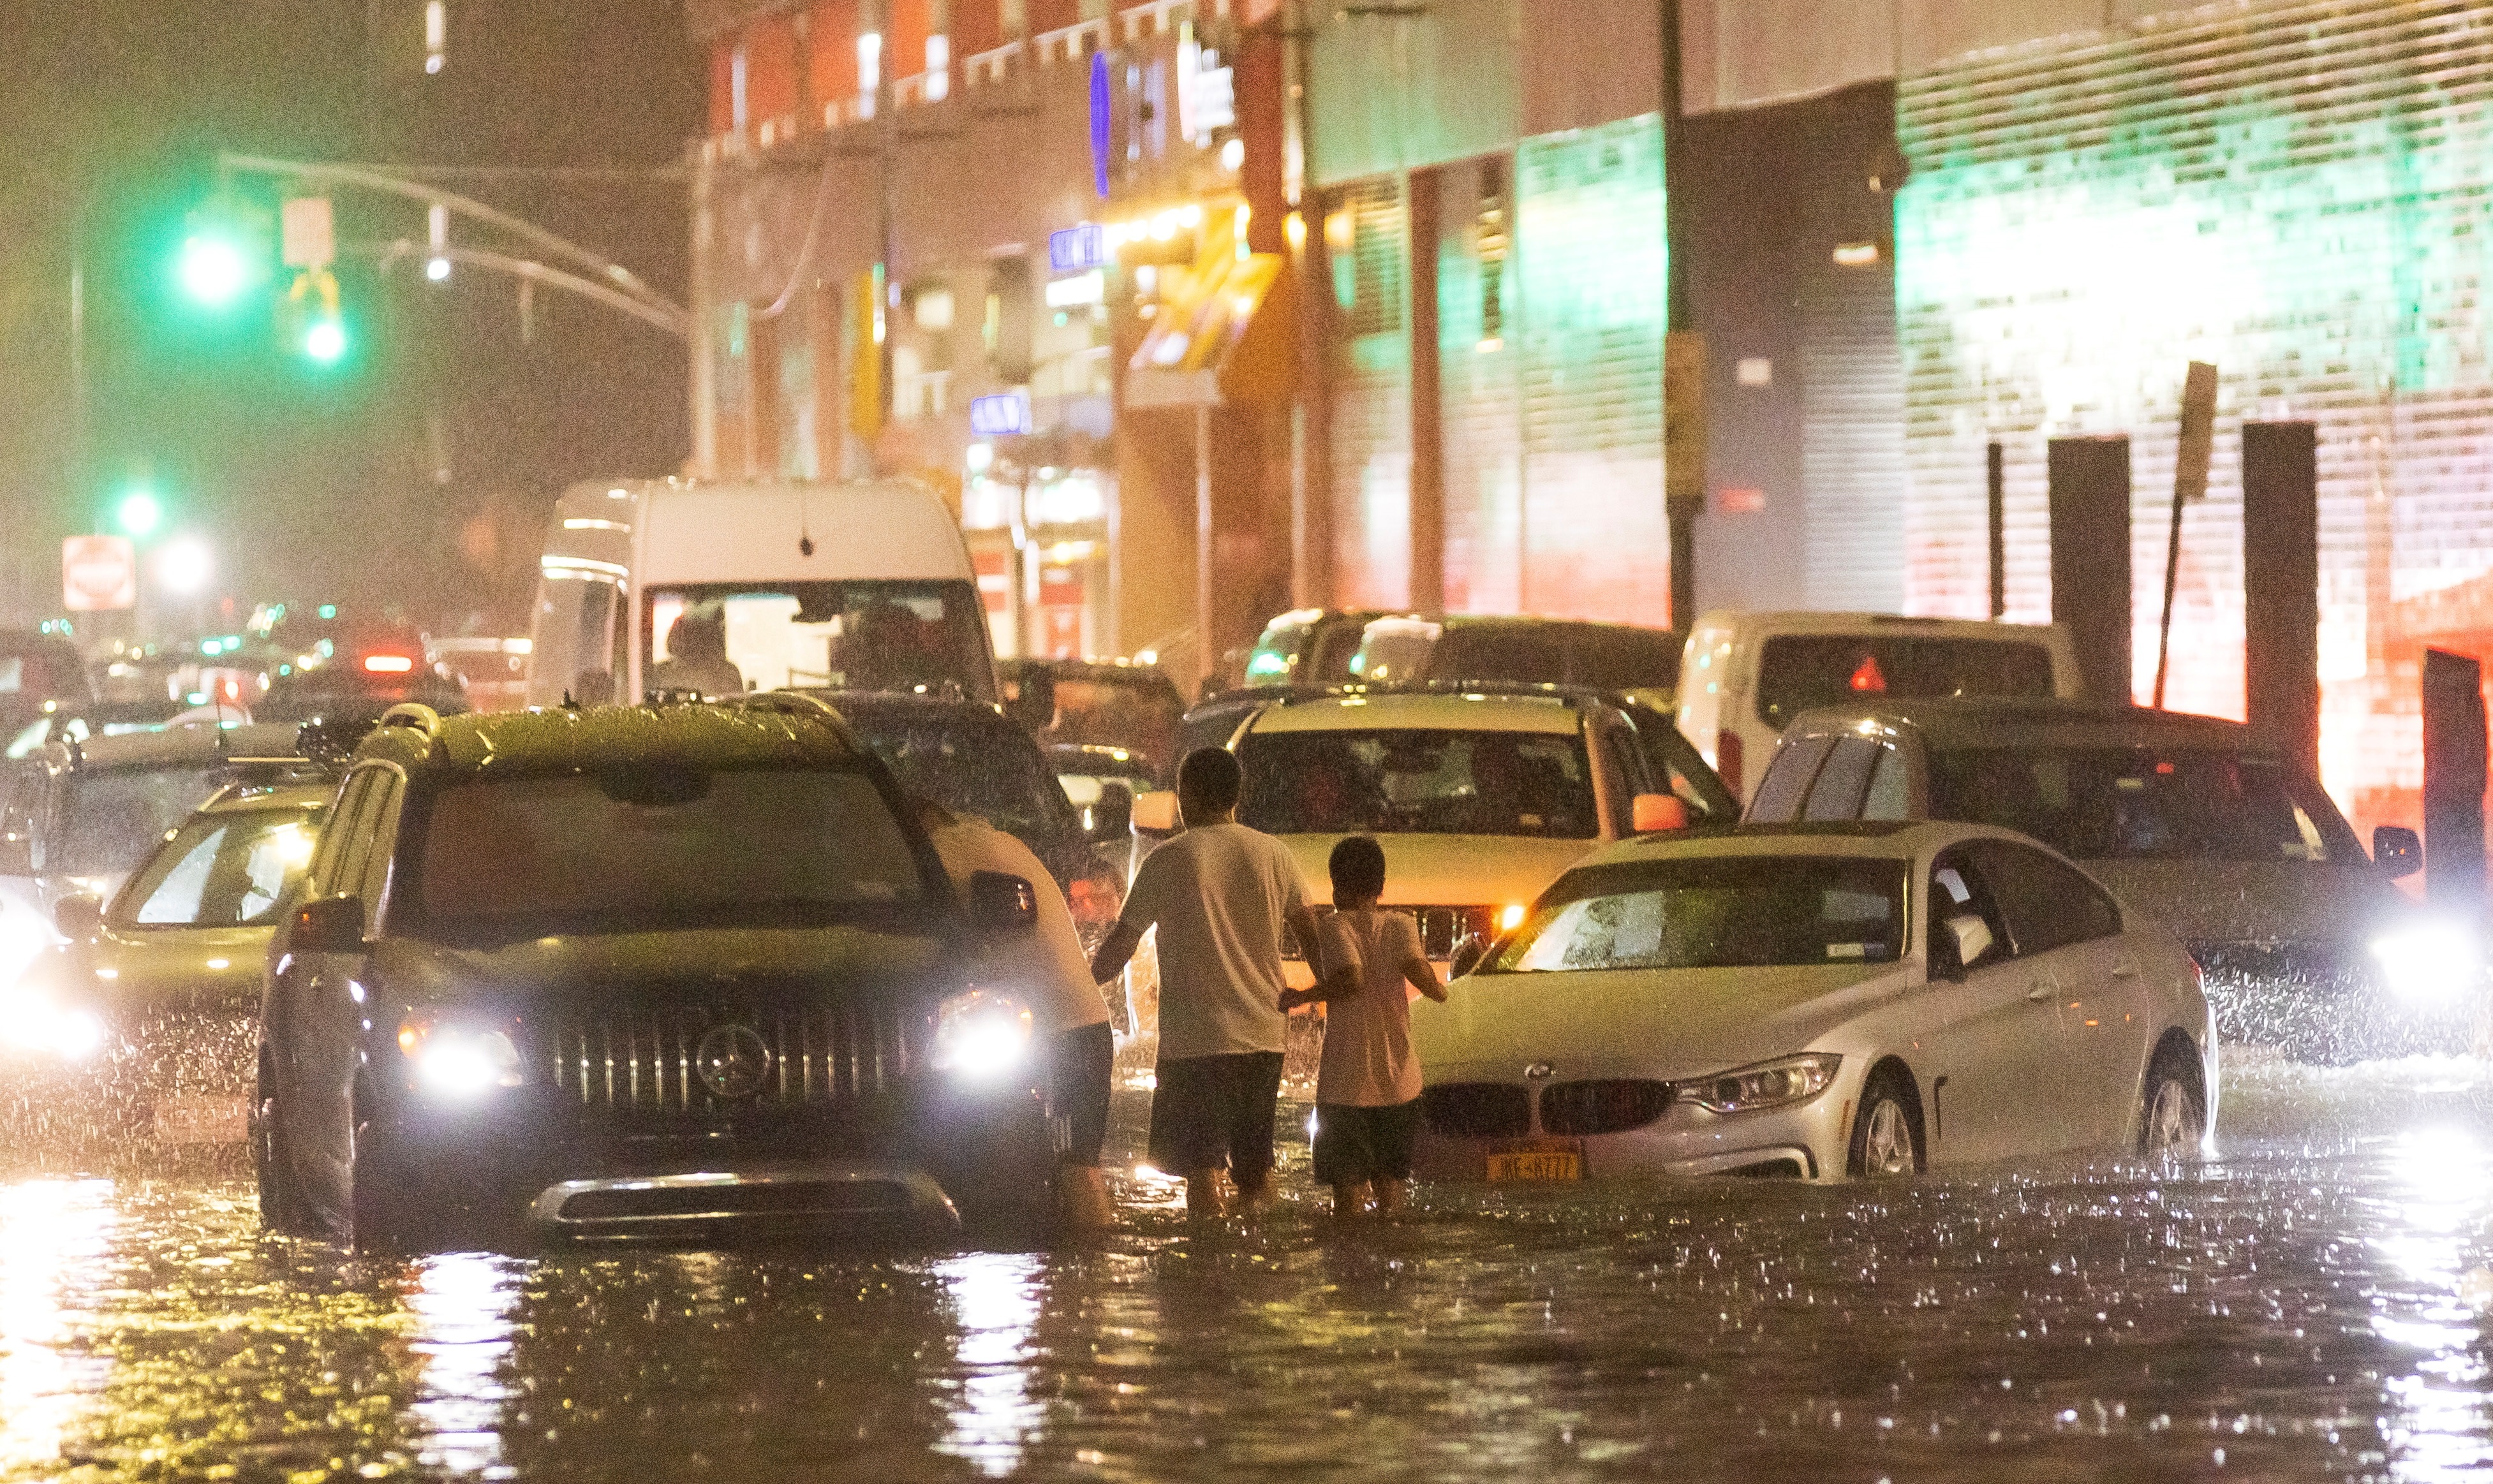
column 1728, row 758
column 388, row 664
column 1869, row 678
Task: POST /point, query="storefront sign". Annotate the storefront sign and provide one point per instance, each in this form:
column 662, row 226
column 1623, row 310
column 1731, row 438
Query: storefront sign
column 1000, row 414
column 1077, row 248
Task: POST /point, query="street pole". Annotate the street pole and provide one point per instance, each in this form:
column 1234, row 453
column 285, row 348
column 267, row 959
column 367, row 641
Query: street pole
column 1684, row 360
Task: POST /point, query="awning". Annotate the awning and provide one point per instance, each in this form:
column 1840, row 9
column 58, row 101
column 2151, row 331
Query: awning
column 1224, row 334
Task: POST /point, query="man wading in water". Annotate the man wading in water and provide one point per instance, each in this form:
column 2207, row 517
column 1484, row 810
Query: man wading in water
column 1220, row 894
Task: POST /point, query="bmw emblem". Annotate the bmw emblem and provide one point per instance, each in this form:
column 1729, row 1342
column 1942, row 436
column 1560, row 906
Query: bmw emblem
column 732, row 1060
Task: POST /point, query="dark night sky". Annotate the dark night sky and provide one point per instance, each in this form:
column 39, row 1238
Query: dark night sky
column 313, row 486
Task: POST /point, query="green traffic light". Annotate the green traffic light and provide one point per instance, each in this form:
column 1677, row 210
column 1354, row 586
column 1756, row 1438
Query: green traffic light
column 138, row 514
column 214, row 270
column 325, row 342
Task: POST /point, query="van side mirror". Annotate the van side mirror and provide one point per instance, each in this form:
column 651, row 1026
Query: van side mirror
column 78, row 916
column 1467, row 956
column 1971, row 936
column 1000, row 903
column 2398, row 851
column 1155, row 812
column 1112, row 813
column 1657, row 814
column 329, row 925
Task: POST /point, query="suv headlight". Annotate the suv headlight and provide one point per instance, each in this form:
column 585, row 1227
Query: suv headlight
column 1767, row 1084
column 459, row 1062
column 981, row 1034
column 2432, row 962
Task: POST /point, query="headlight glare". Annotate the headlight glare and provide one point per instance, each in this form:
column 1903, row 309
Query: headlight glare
column 2434, row 962
column 981, row 1034
column 459, row 1062
column 1767, row 1084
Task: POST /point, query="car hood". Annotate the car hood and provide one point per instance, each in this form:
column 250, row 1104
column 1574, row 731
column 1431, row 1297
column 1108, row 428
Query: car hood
column 1664, row 1023
column 1448, row 870
column 2255, row 902
column 725, row 962
column 169, row 969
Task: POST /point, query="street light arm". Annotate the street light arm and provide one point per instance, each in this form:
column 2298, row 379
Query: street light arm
column 377, row 178
column 665, row 317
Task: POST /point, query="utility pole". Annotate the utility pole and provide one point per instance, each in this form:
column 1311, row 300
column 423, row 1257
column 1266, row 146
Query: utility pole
column 1683, row 359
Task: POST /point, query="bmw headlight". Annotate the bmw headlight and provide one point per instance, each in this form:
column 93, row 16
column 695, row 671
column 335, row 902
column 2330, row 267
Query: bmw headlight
column 2431, row 961
column 459, row 1062
column 981, row 1034
column 1767, row 1084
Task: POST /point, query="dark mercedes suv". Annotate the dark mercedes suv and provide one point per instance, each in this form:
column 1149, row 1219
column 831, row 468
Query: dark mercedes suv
column 675, row 972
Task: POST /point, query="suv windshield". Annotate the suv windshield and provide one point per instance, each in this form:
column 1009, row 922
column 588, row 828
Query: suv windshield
column 654, row 848
column 2119, row 803
column 222, row 870
column 723, row 638
column 1417, row 781
column 973, row 765
column 1800, row 671
column 1737, row 913
column 109, row 821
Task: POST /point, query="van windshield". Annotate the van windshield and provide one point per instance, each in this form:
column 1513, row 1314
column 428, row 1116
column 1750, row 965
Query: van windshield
column 727, row 638
column 1798, row 671
column 2141, row 803
column 653, row 849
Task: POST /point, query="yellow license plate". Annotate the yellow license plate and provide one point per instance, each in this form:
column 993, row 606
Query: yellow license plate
column 203, row 1119
column 1537, row 1165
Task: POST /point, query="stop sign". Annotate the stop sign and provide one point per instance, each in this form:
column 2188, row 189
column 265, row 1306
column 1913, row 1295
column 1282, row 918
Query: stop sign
column 98, row 572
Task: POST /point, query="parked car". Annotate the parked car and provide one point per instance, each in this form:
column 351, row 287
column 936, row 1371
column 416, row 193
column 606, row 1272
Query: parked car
column 1479, row 798
column 1746, row 676
column 494, row 673
column 1625, row 658
column 966, row 756
column 1308, row 647
column 1815, row 1002
column 1095, row 702
column 79, row 817
column 1091, row 777
column 39, row 672
column 2194, row 821
column 140, row 1028
column 673, row 973
column 353, row 669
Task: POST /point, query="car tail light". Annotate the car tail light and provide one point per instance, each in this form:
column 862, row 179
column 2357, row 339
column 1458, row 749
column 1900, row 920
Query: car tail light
column 388, row 664
column 1727, row 760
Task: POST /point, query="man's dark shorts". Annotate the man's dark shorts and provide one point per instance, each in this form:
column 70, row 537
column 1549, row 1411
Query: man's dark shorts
column 1215, row 1110
column 1077, row 1092
column 1355, row 1145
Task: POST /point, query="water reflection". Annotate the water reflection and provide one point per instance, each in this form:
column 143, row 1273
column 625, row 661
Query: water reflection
column 462, row 1306
column 52, row 1244
column 994, row 1300
column 2443, row 1180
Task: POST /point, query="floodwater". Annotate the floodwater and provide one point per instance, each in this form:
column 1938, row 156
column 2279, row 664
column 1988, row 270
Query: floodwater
column 2309, row 1305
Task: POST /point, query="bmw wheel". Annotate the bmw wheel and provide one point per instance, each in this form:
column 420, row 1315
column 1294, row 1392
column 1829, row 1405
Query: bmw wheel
column 1887, row 1136
column 2172, row 1120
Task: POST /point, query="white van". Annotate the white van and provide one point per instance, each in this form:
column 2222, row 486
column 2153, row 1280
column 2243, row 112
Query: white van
column 1745, row 675
column 665, row 585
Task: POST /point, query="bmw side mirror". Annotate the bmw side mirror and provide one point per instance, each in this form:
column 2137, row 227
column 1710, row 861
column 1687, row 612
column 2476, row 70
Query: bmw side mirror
column 1659, row 814
column 1467, row 956
column 1003, row 904
column 329, row 925
column 78, row 916
column 1112, row 813
column 2398, row 851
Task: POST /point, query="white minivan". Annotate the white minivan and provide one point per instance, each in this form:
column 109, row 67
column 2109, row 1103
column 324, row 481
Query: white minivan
column 1745, row 675
column 722, row 588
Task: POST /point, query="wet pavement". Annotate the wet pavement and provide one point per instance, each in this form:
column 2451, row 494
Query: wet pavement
column 2310, row 1305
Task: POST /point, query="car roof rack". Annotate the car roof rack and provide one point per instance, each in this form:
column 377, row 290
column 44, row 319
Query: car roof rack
column 413, row 715
column 1545, row 689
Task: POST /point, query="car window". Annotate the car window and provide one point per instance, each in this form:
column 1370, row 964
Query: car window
column 1336, row 645
column 387, row 796
column 222, row 870
column 1726, row 912
column 1957, row 889
column 2046, row 904
column 988, row 768
column 2126, row 803
column 1622, row 770
column 1842, row 780
column 1797, row 671
column 1625, row 660
column 1499, row 652
column 110, row 820
column 1787, row 781
column 1414, row 779
column 330, row 863
column 1672, row 765
column 1280, row 646
column 1890, row 795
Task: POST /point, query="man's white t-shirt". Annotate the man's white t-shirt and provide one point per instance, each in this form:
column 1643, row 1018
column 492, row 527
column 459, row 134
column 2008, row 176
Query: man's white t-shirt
column 1219, row 894
column 1368, row 1059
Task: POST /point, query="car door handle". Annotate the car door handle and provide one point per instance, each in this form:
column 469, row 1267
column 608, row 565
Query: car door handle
column 2125, row 968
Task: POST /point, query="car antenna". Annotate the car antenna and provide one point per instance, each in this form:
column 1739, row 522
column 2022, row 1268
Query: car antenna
column 569, row 704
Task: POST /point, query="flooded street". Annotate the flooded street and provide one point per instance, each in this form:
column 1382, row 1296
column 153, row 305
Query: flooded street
column 2310, row 1306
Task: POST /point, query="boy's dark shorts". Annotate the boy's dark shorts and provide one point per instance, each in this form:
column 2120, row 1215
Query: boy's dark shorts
column 1213, row 1111
column 1077, row 1092
column 1355, row 1145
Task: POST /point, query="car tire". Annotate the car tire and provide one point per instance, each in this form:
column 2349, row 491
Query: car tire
column 2171, row 1115
column 1887, row 1133
column 280, row 1207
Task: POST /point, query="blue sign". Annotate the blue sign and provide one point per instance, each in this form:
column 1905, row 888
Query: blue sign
column 1077, row 248
column 999, row 415
column 1102, row 116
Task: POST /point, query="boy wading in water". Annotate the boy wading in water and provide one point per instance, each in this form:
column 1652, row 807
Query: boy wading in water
column 1219, row 895
column 1367, row 1090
